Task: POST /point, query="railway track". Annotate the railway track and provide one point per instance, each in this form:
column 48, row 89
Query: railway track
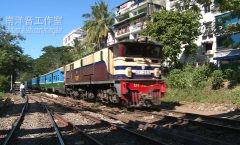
column 54, row 124
column 163, row 130
column 208, row 121
column 70, row 128
column 171, row 133
column 175, row 120
column 15, row 126
column 116, row 133
column 217, row 126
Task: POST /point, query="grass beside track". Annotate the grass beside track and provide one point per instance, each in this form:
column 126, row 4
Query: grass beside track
column 204, row 95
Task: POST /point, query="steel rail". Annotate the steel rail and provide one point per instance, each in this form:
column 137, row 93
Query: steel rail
column 59, row 135
column 95, row 141
column 199, row 120
column 152, row 141
column 58, row 116
column 182, row 136
column 221, row 121
column 16, row 125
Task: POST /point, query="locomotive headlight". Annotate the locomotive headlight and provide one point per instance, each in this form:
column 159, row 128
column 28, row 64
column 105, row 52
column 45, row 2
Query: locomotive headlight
column 157, row 72
column 129, row 72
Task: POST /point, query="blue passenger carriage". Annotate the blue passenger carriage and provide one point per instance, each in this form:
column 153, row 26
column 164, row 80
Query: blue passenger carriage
column 35, row 83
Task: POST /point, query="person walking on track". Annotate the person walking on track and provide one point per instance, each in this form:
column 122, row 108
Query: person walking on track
column 22, row 90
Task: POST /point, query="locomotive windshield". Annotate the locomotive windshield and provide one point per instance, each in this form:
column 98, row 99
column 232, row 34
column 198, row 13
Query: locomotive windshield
column 137, row 50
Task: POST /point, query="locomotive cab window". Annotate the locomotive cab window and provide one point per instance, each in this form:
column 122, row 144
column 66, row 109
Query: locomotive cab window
column 137, row 50
column 118, row 50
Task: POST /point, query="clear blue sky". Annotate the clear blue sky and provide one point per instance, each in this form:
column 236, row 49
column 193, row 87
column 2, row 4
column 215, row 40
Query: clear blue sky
column 16, row 13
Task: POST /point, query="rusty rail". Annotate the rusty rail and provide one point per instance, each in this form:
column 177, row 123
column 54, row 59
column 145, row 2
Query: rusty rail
column 16, row 125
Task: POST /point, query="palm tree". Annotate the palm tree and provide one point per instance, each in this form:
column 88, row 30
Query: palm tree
column 99, row 24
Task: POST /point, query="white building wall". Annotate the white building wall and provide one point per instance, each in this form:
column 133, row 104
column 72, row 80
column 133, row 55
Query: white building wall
column 206, row 17
column 68, row 39
column 134, row 27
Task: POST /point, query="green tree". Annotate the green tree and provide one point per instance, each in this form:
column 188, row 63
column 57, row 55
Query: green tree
column 190, row 4
column 82, row 48
column 52, row 58
column 27, row 68
column 232, row 6
column 229, row 5
column 99, row 24
column 11, row 57
column 174, row 28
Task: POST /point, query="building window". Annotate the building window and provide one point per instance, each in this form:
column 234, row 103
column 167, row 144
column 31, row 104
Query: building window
column 207, row 8
column 208, row 46
column 208, row 30
column 204, row 37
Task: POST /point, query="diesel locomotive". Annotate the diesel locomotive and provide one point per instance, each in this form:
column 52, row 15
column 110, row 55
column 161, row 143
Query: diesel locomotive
column 127, row 72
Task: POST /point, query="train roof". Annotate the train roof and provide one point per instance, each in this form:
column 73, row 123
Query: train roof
column 138, row 40
column 141, row 40
column 61, row 68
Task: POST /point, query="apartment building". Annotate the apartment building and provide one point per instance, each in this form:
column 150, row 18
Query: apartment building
column 131, row 17
column 216, row 48
column 78, row 34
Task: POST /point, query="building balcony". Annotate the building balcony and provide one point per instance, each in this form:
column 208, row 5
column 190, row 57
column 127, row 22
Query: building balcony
column 129, row 6
column 134, row 17
column 137, row 27
column 122, row 32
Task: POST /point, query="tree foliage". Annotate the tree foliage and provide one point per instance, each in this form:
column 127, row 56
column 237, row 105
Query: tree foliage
column 82, row 48
column 190, row 4
column 52, row 58
column 12, row 60
column 229, row 5
column 174, row 28
column 99, row 24
column 232, row 6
